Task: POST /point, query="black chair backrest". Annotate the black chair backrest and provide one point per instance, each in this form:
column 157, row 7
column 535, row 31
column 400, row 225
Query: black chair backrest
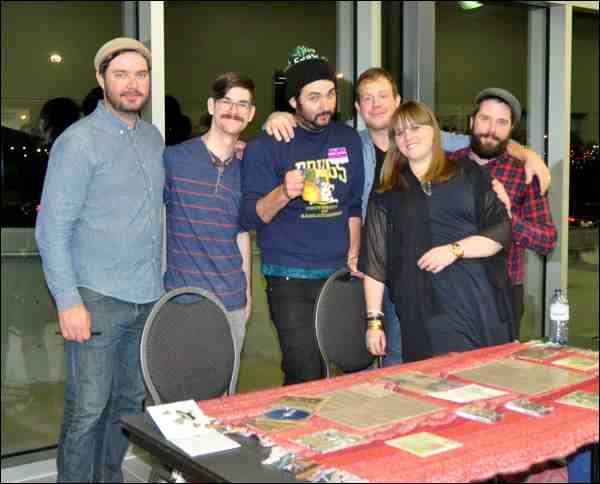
column 187, row 350
column 340, row 323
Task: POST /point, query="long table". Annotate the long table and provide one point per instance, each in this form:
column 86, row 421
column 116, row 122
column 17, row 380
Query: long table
column 509, row 446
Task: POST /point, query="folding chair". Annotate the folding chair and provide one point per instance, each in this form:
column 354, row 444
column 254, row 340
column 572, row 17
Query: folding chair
column 187, row 352
column 340, row 324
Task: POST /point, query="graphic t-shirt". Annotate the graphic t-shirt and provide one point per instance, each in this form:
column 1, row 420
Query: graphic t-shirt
column 310, row 232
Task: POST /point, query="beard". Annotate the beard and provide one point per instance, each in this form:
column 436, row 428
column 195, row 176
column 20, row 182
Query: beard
column 121, row 105
column 487, row 151
column 312, row 123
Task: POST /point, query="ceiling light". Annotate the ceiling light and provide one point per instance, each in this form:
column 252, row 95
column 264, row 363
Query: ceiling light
column 470, row 5
column 55, row 58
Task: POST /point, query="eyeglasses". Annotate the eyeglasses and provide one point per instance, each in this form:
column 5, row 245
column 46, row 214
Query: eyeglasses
column 399, row 132
column 242, row 106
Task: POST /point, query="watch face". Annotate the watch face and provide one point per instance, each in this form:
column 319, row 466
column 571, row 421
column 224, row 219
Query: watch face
column 457, row 250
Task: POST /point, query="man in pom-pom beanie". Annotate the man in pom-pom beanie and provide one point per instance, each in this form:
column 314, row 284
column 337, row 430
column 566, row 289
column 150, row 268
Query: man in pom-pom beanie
column 304, row 200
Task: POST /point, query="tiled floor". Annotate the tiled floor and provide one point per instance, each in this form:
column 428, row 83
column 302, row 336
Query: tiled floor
column 136, row 468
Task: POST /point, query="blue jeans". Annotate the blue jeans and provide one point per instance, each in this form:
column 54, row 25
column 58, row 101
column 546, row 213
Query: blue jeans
column 393, row 338
column 104, row 383
column 579, row 465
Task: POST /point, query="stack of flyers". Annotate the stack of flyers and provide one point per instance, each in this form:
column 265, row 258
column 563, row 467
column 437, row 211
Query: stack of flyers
column 268, row 425
column 581, row 399
column 329, row 440
column 577, row 363
column 423, row 383
column 479, row 413
column 312, row 474
column 300, row 402
column 276, row 455
column 424, row 444
column 305, row 469
column 300, row 466
column 593, row 354
column 528, row 407
column 372, row 390
column 179, row 419
column 539, row 351
column 336, row 475
column 468, row 393
column 319, row 473
column 186, row 426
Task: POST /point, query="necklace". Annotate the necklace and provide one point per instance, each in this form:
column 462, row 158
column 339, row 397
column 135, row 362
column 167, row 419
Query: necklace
column 426, row 186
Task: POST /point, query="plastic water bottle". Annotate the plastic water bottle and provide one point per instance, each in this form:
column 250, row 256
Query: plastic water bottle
column 559, row 318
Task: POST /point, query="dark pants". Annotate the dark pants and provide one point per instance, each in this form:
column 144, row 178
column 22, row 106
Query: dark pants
column 518, row 309
column 292, row 305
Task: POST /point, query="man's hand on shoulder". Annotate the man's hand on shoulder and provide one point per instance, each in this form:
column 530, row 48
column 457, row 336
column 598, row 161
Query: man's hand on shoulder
column 238, row 149
column 281, row 125
column 534, row 165
column 75, row 323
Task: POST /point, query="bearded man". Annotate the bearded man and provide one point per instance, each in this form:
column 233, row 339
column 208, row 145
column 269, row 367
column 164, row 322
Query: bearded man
column 495, row 114
column 99, row 235
column 303, row 240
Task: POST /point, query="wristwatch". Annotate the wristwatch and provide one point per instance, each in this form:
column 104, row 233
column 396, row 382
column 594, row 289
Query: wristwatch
column 457, row 250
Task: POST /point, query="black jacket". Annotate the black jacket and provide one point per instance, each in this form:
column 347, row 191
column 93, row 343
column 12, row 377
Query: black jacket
column 397, row 233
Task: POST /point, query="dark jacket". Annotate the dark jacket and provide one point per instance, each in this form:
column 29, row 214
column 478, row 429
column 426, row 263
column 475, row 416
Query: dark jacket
column 400, row 220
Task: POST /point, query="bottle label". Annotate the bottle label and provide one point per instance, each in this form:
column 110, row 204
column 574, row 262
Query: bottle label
column 559, row 312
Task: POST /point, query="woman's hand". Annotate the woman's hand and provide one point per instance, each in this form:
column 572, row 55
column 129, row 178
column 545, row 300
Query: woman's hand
column 437, row 259
column 375, row 339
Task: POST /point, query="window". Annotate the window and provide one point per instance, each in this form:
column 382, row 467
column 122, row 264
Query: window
column 47, row 70
column 206, row 39
column 584, row 207
column 489, row 46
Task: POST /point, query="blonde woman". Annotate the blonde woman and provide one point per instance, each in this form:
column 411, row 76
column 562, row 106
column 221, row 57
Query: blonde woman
column 436, row 233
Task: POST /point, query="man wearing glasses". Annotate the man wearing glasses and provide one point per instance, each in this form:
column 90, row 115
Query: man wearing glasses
column 304, row 200
column 206, row 248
